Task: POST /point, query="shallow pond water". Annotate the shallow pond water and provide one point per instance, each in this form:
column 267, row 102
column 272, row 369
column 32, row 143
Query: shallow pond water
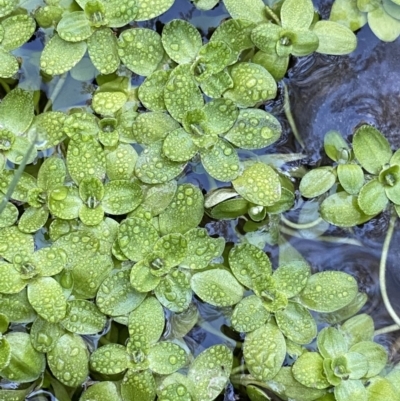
column 325, row 92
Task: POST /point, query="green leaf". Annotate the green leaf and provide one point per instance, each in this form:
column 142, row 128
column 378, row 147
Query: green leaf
column 217, row 84
column 13, row 241
column 358, row 328
column 101, row 391
column 16, row 111
column 85, row 158
column 331, row 343
column 181, row 92
column 65, row 202
column 249, row 314
column 8, row 64
column 174, row 391
column 86, row 279
column 381, row 388
column 230, row 209
column 152, row 167
column 375, row 354
column 291, row 278
column 5, row 353
column 371, row 149
column 210, row 372
column 7, row 7
column 328, row 291
column 44, row 335
column 174, row 291
column 133, row 45
column 317, row 181
column 138, row 385
column 33, row 219
column 297, row 14
column 221, row 115
column 47, row 298
column 120, row 13
column 47, row 129
column 275, row 65
column 52, row 173
column 341, row 209
column 59, row 56
column 108, row 103
column 110, row 359
column 384, row 26
column 121, row 196
column 372, row 198
column 213, row 57
column 201, row 249
column 296, row 315
column 146, row 323
column 248, row 263
column 178, row 146
column 217, row 287
column 151, row 92
column 181, row 41
column 142, row 276
column 236, row 34
column 309, row 371
column 184, row 212
column 26, row 364
column 392, row 8
column 221, row 161
column 172, row 248
column 259, row 184
column 11, row 281
column 351, row 177
column 346, row 12
column 252, row 84
column 350, row 390
column 74, row 27
column 116, row 296
column 252, row 10
column 334, row 38
column 264, row 351
column 68, row 360
column 335, row 146
column 166, row 357
column 19, row 149
column 136, row 237
column 83, row 317
column 158, row 197
column 18, row 29
column 17, row 307
column 151, row 127
column 254, row 129
column 9, row 215
column 81, row 125
column 120, row 162
column 152, row 8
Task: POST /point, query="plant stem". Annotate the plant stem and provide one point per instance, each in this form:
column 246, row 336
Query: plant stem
column 238, row 369
column 387, row 329
column 245, row 380
column 5, row 85
column 382, row 269
column 338, row 240
column 289, row 116
column 272, row 15
column 57, row 89
column 301, row 226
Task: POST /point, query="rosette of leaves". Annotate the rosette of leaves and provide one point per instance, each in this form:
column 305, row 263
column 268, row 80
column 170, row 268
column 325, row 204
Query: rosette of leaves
column 183, row 44
column 35, row 270
column 164, row 262
column 88, row 29
column 346, row 358
column 16, row 115
column 360, row 201
column 207, row 377
column 51, row 175
column 143, row 355
column 93, row 199
column 383, row 16
column 288, row 293
column 15, row 30
column 259, row 187
column 19, row 361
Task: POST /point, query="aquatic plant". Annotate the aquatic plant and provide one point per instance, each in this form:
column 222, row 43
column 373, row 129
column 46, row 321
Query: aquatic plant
column 107, row 255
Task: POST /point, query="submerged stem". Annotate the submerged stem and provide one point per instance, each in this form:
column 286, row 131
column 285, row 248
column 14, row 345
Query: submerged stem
column 57, row 89
column 301, row 226
column 387, row 329
column 382, row 269
column 289, row 116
